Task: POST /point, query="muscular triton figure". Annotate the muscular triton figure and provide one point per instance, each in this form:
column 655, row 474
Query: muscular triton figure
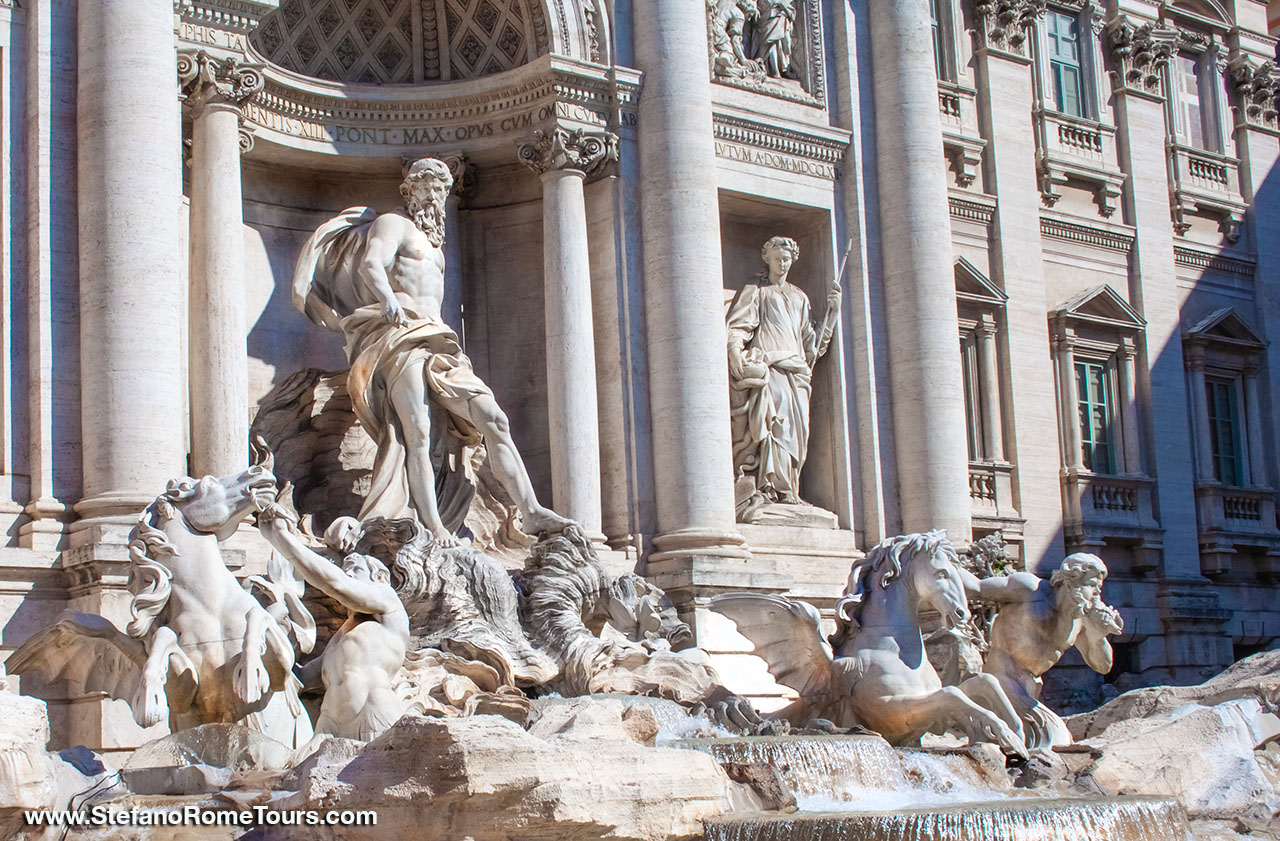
column 1037, row 621
column 360, row 662
column 379, row 279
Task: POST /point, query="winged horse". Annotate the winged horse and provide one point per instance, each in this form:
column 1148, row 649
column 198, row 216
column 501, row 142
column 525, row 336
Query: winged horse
column 875, row 672
column 199, row 648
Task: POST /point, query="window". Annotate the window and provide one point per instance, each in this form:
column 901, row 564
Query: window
column 1066, row 76
column 940, row 18
column 972, row 397
column 1224, row 430
column 1196, row 101
column 1093, row 389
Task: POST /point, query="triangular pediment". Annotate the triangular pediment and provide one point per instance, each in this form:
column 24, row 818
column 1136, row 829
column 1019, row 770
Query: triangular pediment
column 1226, row 326
column 1101, row 305
column 973, row 285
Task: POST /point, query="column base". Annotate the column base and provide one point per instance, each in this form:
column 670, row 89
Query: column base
column 705, row 542
column 46, row 526
column 115, row 508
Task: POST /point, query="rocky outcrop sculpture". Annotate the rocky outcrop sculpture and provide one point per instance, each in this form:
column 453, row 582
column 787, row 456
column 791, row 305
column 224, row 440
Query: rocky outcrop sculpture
column 616, row 635
column 1036, row 621
column 874, row 671
column 200, row 649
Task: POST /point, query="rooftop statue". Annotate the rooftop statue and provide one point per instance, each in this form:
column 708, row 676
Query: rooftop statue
column 379, row 280
column 773, row 346
column 200, row 648
column 1036, row 621
column 874, row 671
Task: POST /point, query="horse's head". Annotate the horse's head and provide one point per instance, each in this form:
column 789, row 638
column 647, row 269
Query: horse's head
column 930, row 568
column 934, row 571
column 213, row 505
column 642, row 611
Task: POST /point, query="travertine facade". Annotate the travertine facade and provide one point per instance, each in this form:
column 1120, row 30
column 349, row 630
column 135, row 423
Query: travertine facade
column 1064, row 216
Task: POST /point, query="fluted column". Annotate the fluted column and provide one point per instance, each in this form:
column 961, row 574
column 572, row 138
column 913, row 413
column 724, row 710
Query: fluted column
column 989, row 394
column 924, row 357
column 1073, row 457
column 130, row 187
column 215, row 90
column 1126, row 355
column 683, row 283
column 1253, row 429
column 563, row 158
column 1200, row 416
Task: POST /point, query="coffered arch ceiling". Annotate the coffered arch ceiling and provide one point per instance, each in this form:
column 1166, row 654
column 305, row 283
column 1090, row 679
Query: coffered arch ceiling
column 403, row 41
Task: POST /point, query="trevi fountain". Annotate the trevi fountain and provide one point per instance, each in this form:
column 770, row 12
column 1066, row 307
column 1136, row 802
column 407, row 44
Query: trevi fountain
column 437, row 647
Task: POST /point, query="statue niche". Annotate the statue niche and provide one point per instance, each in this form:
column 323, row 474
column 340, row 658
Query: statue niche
column 773, row 345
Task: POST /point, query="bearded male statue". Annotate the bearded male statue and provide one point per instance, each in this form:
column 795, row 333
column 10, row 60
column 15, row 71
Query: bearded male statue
column 1036, row 622
column 379, row 280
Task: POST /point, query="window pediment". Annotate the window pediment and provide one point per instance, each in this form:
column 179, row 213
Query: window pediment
column 975, row 287
column 1225, row 327
column 1101, row 306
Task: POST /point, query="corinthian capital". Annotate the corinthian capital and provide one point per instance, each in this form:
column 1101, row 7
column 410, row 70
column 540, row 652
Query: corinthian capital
column 573, row 149
column 1141, row 52
column 208, row 80
column 1256, row 84
column 1003, row 24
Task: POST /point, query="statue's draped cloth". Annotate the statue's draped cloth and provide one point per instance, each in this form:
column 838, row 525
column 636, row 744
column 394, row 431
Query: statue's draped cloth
column 771, row 417
column 329, row 288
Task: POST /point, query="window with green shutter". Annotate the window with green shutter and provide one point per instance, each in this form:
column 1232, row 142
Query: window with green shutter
column 1093, row 388
column 1065, row 66
column 1224, row 431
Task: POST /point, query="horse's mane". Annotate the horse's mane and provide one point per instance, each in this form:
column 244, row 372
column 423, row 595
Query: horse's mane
column 150, row 581
column 881, row 567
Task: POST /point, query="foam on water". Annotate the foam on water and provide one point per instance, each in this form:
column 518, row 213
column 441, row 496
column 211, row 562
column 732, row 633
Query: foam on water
column 1094, row 819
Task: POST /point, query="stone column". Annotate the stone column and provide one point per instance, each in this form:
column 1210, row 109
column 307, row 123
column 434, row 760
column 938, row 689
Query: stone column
column 989, row 394
column 924, row 357
column 563, row 159
column 1126, row 355
column 218, row 375
column 130, row 190
column 1200, row 416
column 683, row 282
column 1258, row 477
column 1073, row 457
column 463, row 185
column 1003, row 64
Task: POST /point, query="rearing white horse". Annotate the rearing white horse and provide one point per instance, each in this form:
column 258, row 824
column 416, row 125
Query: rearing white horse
column 200, row 648
column 875, row 671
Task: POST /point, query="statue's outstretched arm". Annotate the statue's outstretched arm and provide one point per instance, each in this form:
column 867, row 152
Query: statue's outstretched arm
column 361, row 596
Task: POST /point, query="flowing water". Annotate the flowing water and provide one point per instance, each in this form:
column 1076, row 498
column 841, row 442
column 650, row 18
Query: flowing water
column 859, row 788
column 1092, row 819
column 829, row 773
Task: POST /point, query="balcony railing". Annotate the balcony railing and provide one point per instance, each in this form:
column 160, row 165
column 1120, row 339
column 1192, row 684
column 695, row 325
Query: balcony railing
column 1100, row 508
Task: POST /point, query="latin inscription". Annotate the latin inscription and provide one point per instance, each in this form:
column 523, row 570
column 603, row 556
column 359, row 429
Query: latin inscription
column 775, row 160
column 209, row 36
column 423, row 135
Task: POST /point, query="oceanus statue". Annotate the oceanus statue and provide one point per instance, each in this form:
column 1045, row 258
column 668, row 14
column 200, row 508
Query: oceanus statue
column 874, row 671
column 200, row 648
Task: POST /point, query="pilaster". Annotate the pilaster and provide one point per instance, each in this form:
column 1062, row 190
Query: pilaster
column 1003, row 63
column 1142, row 51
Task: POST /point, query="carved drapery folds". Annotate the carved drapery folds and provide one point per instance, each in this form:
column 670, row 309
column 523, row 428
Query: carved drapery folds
column 1004, row 24
column 1256, row 84
column 208, row 80
column 575, row 149
column 1141, row 52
